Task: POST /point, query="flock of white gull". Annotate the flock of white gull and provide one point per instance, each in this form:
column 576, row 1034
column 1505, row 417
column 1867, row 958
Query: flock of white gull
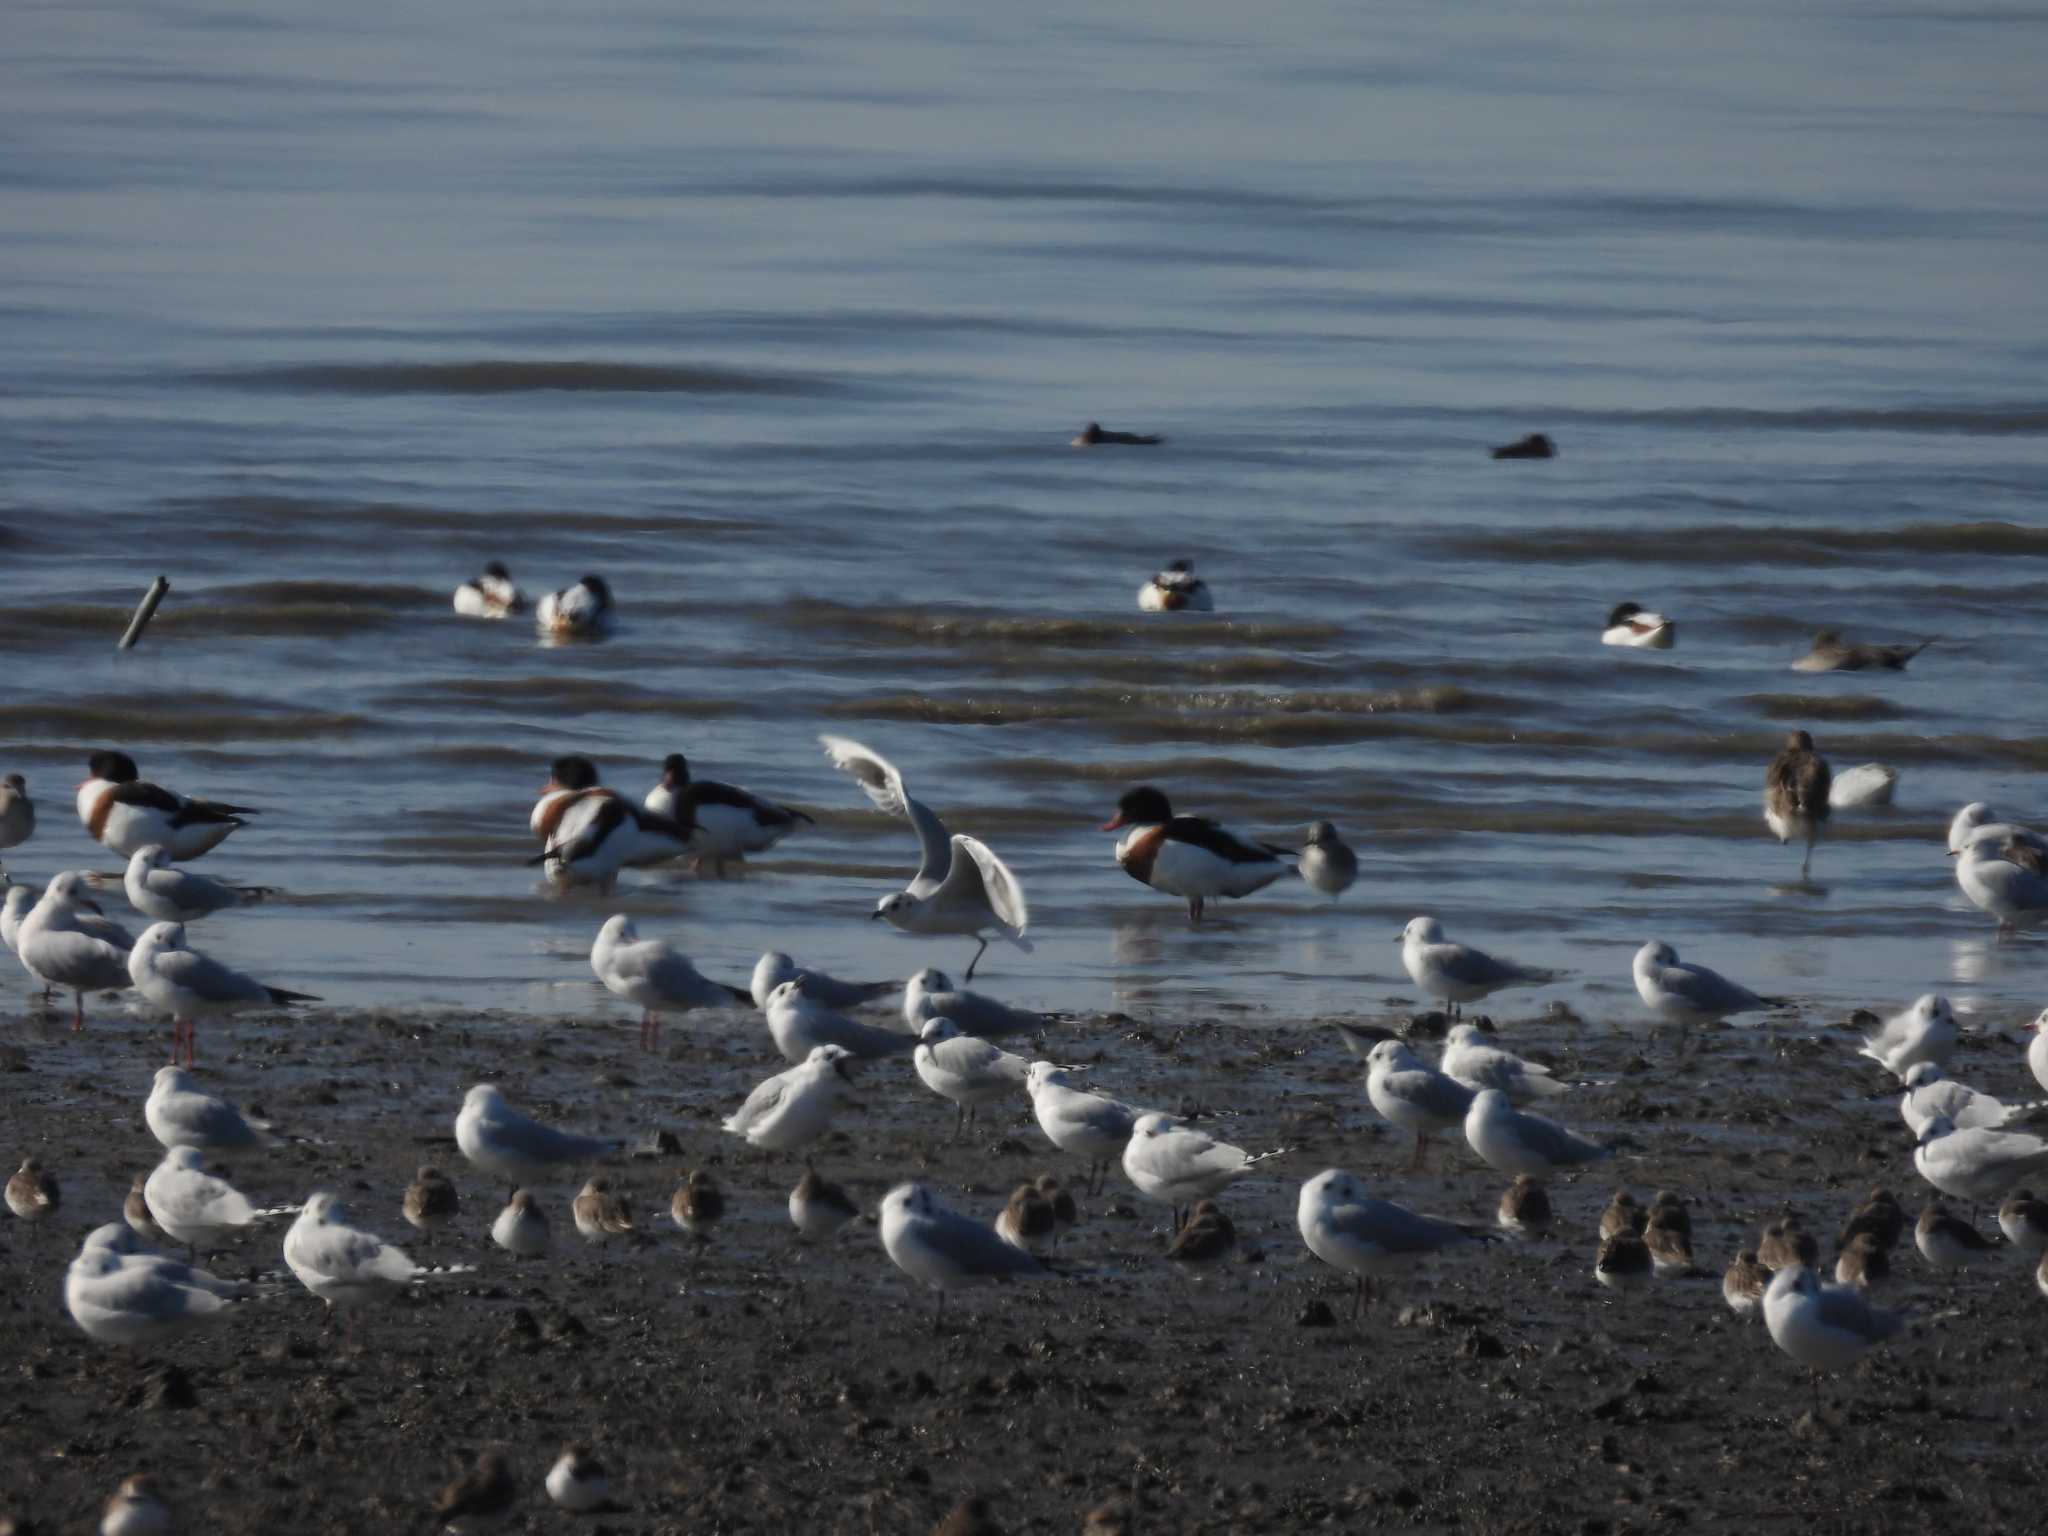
column 121, row 1290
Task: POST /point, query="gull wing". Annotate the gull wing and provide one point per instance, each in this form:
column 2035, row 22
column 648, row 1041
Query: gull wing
column 878, row 778
column 981, row 876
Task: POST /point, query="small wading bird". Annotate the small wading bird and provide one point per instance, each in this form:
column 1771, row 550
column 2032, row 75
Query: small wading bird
column 1796, row 788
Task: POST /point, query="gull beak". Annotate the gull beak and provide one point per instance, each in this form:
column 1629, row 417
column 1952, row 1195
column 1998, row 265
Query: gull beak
column 872, row 916
column 1114, row 822
column 1955, row 853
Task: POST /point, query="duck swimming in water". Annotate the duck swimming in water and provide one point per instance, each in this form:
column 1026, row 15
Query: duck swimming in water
column 1177, row 589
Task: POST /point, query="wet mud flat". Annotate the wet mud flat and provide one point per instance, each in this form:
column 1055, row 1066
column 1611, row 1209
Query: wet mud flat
column 759, row 1383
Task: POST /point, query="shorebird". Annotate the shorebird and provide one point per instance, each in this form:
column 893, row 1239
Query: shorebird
column 1796, row 786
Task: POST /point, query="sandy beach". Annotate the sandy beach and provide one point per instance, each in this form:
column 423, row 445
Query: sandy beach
column 759, row 1383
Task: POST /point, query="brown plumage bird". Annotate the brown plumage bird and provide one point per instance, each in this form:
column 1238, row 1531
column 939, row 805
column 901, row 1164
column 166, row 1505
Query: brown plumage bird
column 1831, row 653
column 1796, row 794
column 2024, row 1221
column 1622, row 1215
column 600, row 1214
column 1864, row 1263
column 1787, row 1242
column 1879, row 1215
column 1525, row 1206
column 818, row 1207
column 430, row 1200
column 1742, row 1286
column 481, row 1495
column 1207, row 1237
column 970, row 1517
column 1064, row 1212
column 32, row 1194
column 1668, row 1236
column 135, row 1211
column 1623, row 1263
column 698, row 1204
column 1027, row 1220
column 1947, row 1241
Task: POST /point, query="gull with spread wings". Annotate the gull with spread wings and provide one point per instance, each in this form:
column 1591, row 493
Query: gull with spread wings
column 960, row 885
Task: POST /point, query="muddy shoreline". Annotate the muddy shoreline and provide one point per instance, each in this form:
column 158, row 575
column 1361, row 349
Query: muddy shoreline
column 757, row 1383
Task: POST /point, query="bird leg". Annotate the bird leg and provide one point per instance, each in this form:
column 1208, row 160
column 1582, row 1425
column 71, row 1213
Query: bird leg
column 1194, row 909
column 1358, row 1303
column 939, row 1317
column 959, row 1119
column 1421, row 1151
column 78, row 1017
column 977, row 957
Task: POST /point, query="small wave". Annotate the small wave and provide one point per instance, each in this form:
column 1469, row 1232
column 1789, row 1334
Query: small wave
column 270, row 519
column 558, row 697
column 1813, row 706
column 1995, row 418
column 1251, row 716
column 941, row 626
column 511, row 377
column 1737, row 544
column 204, row 717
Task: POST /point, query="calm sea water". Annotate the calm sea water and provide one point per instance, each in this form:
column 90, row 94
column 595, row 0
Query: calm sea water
column 781, row 318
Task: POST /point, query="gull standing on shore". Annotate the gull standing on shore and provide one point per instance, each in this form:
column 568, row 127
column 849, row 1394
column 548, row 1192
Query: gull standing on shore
column 1087, row 1124
column 655, row 976
column 159, row 890
column 1684, row 994
column 179, row 1115
column 965, row 1070
column 1469, row 1060
column 17, row 814
column 1457, row 973
column 1413, row 1096
column 799, row 1024
column 497, row 1139
column 1512, row 1141
column 345, row 1265
column 1178, row 1165
column 189, row 986
column 793, row 1109
column 775, row 967
column 1366, row 1237
column 930, row 994
column 945, row 1250
column 65, row 943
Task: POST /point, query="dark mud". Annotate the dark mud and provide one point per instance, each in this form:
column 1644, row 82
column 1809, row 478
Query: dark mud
column 757, row 1384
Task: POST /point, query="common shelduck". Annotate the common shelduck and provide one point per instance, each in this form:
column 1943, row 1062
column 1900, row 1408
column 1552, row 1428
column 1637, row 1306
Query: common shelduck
column 1177, row 589
column 731, row 823
column 1189, row 856
column 591, row 832
column 489, row 596
column 1096, row 435
column 581, row 612
column 125, row 812
column 1633, row 624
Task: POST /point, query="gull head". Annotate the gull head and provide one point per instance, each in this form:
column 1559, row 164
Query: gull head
column 784, row 994
column 1654, row 956
column 896, row 909
column 1972, row 816
column 1390, row 1056
column 1333, row 1186
column 1489, row 1104
column 68, row 889
column 1921, row 1073
column 907, row 1200
column 831, row 1058
column 1931, row 1009
column 1421, row 930
column 483, row 1099
column 114, row 1237
column 185, row 1157
column 1935, row 1129
column 937, row 1029
column 617, row 929
column 1793, row 1278
column 1153, row 1124
column 173, row 1080
column 930, row 979
column 159, row 936
column 321, row 1208
column 1462, row 1035
column 1044, row 1074
column 150, row 856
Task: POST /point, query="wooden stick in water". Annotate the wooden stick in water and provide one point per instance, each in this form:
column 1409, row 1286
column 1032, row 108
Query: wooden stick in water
column 144, row 612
